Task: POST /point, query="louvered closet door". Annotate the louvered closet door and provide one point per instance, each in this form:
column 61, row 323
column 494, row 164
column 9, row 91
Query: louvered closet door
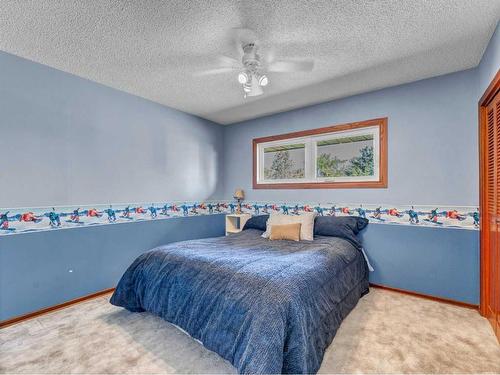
column 495, row 264
column 493, row 213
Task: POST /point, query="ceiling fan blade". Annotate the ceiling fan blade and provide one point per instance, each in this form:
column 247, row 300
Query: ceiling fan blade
column 269, row 55
column 291, row 66
column 228, row 62
column 213, row 71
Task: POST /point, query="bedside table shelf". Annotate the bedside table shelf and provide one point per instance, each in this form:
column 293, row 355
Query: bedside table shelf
column 236, row 222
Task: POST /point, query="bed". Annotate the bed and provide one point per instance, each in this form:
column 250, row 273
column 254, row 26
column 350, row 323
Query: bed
column 265, row 306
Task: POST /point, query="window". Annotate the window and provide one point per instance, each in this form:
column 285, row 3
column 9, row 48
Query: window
column 284, row 161
column 342, row 156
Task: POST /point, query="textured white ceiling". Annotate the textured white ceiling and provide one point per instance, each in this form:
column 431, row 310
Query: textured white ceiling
column 151, row 48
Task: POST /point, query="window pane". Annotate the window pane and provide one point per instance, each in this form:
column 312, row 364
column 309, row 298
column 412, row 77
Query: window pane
column 284, row 162
column 345, row 156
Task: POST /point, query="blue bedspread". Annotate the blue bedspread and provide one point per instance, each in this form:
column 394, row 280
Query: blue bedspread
column 266, row 306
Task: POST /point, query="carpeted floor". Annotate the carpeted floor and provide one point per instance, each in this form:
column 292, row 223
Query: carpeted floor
column 387, row 332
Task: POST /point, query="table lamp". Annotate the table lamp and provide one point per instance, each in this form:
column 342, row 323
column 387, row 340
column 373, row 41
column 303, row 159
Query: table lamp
column 239, row 195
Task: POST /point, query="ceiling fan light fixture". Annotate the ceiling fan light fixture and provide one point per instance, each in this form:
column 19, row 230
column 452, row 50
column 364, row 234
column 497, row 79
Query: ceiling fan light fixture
column 263, row 80
column 247, row 87
column 243, row 78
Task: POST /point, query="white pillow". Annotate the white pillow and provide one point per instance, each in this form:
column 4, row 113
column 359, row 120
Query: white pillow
column 306, row 219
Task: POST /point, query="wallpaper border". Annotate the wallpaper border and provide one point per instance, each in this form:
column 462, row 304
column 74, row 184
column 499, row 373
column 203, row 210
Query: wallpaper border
column 27, row 220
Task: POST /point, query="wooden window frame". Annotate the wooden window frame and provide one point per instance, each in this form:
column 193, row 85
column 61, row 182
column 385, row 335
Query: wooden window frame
column 380, row 183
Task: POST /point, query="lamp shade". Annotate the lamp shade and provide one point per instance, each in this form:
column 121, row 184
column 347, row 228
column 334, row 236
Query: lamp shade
column 239, row 194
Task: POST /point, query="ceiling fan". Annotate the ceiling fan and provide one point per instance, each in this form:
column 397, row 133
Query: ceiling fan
column 253, row 65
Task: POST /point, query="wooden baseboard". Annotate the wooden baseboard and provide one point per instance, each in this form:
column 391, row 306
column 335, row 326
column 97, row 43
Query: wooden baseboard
column 34, row 314
column 426, row 296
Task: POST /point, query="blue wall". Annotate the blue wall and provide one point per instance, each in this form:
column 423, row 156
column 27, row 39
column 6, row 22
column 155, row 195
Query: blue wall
column 433, row 152
column 35, row 267
column 42, row 269
column 441, row 262
column 66, row 140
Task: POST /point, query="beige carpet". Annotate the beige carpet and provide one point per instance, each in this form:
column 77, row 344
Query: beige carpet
column 386, row 333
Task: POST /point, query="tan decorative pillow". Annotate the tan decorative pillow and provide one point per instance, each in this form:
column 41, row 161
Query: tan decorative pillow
column 306, row 219
column 285, row 232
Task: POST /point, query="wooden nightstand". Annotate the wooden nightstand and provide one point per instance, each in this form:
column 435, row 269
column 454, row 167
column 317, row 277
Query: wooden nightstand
column 236, row 222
